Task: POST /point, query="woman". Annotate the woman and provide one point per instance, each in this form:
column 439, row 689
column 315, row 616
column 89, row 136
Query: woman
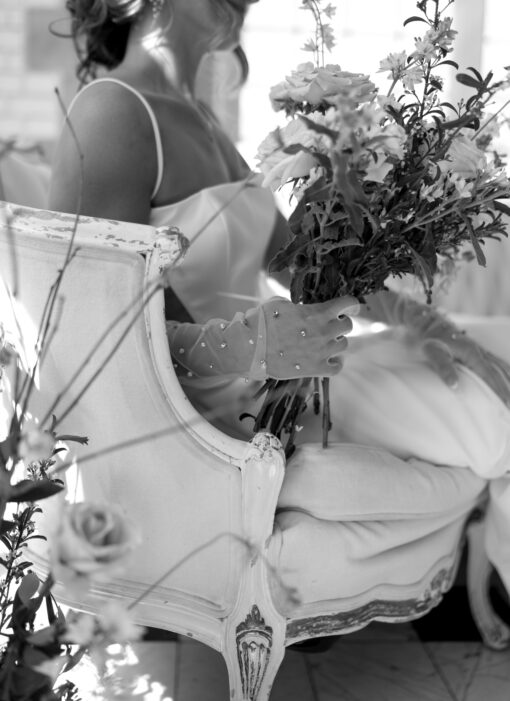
column 153, row 154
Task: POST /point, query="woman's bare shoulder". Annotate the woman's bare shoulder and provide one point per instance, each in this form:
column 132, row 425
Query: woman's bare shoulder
column 106, row 111
column 106, row 148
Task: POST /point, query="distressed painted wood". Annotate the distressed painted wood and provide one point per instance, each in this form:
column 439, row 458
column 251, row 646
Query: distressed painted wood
column 495, row 633
column 254, row 636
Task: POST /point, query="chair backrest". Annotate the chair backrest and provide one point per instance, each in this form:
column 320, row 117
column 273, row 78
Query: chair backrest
column 22, row 181
column 182, row 480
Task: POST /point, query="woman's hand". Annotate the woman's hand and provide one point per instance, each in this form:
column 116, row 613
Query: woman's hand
column 277, row 339
column 305, row 340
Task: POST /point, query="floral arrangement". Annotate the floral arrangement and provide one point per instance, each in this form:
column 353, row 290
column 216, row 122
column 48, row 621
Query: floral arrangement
column 383, row 185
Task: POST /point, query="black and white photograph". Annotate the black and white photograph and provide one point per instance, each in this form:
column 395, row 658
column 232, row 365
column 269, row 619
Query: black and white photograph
column 254, row 350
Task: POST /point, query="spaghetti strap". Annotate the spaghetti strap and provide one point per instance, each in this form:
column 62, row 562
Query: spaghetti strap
column 152, row 116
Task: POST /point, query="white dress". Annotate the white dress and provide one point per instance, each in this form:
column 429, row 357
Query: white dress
column 385, row 397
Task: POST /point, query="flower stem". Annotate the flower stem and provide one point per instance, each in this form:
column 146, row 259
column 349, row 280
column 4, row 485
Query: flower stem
column 326, row 422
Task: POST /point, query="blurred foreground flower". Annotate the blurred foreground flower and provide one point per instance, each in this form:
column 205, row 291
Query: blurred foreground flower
column 91, row 543
column 35, row 445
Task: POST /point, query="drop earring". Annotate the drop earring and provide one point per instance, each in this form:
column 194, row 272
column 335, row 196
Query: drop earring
column 156, row 7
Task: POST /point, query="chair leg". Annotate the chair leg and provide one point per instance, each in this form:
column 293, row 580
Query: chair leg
column 253, row 652
column 495, row 633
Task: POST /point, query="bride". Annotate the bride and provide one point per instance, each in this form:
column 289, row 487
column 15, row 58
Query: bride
column 422, row 391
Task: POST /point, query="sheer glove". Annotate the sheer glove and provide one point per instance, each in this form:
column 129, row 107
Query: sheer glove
column 442, row 342
column 278, row 339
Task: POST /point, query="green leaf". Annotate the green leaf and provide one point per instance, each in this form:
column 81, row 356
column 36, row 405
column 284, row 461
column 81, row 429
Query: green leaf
column 43, row 637
column 6, row 526
column 501, row 207
column 329, row 246
column 319, row 128
column 296, row 286
column 449, row 62
column 449, row 105
column 6, row 541
column 476, row 73
column 480, row 256
column 292, row 149
column 465, row 121
column 466, row 79
column 414, row 18
column 26, row 683
column 422, row 266
column 24, row 565
column 28, row 587
column 286, row 255
column 319, row 191
column 28, row 490
column 7, row 449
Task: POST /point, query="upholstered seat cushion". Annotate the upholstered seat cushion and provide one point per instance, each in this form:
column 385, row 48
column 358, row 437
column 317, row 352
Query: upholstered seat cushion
column 358, row 522
column 347, row 482
column 357, row 562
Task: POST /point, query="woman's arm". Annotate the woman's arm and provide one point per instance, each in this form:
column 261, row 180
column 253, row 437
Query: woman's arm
column 105, row 162
column 442, row 342
column 277, row 339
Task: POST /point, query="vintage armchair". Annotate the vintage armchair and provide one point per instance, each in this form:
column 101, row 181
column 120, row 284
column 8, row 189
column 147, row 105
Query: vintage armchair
column 255, row 575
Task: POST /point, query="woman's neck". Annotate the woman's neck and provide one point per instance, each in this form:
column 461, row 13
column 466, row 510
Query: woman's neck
column 162, row 61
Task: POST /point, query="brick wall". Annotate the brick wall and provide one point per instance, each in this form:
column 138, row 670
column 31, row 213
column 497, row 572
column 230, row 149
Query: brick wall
column 33, row 63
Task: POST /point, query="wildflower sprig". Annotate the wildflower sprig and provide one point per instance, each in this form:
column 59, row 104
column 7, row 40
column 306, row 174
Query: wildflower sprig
column 324, row 38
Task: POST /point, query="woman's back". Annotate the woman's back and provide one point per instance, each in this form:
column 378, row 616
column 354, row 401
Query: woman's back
column 116, row 173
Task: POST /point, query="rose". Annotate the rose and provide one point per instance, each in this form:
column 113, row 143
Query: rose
column 316, row 85
column 463, row 158
column 278, row 166
column 91, row 543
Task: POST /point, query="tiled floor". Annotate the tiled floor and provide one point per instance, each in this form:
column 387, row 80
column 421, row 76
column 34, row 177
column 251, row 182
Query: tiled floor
column 380, row 663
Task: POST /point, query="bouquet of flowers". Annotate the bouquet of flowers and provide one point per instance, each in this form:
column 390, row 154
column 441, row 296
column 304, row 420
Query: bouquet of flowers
column 384, row 185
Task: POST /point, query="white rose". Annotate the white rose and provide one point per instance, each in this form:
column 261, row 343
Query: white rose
column 463, row 158
column 316, row 85
column 297, row 165
column 279, row 167
column 294, row 87
column 91, row 543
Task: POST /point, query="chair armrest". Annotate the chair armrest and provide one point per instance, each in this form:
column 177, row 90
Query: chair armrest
column 262, row 473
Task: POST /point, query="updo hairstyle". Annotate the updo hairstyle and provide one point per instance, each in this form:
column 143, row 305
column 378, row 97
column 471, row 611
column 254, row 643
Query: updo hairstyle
column 100, row 29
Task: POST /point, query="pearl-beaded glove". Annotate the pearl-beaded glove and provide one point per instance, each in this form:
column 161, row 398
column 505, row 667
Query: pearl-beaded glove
column 278, row 339
column 443, row 343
